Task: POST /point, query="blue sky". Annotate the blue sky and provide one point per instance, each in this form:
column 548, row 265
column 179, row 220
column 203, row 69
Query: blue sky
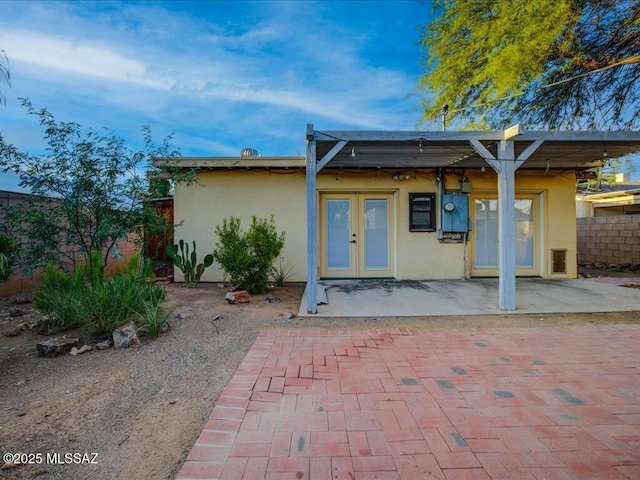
column 220, row 75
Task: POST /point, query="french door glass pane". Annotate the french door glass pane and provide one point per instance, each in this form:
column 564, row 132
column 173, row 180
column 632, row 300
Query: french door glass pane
column 486, row 212
column 338, row 227
column 376, row 232
column 524, row 233
column 486, row 248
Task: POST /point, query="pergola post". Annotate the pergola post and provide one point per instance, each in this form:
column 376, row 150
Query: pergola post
column 506, row 226
column 312, row 224
column 505, row 166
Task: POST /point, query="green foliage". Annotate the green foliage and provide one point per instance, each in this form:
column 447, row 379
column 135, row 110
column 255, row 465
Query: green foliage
column 547, row 63
column 281, row 273
column 88, row 191
column 7, row 257
column 98, row 304
column 154, row 320
column 62, row 298
column 606, row 175
column 187, row 262
column 247, row 257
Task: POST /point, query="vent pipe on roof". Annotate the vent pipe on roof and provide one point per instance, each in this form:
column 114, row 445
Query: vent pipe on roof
column 249, row 152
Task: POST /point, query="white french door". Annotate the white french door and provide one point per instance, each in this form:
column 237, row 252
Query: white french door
column 356, row 235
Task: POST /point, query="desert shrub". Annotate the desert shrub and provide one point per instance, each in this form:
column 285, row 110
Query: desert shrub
column 154, row 320
column 7, row 257
column 98, row 304
column 247, row 257
column 60, row 297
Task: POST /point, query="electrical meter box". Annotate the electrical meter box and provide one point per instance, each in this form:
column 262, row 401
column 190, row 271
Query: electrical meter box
column 454, row 208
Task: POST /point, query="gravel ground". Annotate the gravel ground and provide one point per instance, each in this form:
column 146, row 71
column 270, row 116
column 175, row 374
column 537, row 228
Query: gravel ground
column 141, row 409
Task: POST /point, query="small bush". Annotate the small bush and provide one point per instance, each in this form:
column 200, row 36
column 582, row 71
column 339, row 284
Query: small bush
column 247, row 257
column 60, row 296
column 154, row 320
column 99, row 305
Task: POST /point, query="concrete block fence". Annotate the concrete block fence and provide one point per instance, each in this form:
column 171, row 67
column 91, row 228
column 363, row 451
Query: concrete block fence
column 614, row 239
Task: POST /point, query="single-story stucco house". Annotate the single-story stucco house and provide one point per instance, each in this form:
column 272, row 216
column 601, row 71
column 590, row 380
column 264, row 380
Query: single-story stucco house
column 412, row 205
column 619, row 198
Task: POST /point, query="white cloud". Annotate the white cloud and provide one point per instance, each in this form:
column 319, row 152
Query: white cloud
column 213, row 76
column 277, row 61
column 77, row 56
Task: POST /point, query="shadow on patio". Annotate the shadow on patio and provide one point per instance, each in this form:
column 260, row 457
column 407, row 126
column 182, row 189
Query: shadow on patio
column 479, row 296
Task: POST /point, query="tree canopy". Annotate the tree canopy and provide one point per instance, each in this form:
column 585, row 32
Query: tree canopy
column 88, row 190
column 546, row 63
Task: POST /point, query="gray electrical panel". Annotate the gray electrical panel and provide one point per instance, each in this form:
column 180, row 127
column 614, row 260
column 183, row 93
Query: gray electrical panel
column 454, row 208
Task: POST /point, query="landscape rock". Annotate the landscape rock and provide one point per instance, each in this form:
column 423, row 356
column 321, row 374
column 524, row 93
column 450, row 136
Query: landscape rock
column 13, row 332
column 104, row 345
column 241, row 296
column 23, row 327
column 81, row 350
column 16, row 312
column 289, row 315
column 125, row 336
column 23, row 298
column 57, row 346
column 271, row 299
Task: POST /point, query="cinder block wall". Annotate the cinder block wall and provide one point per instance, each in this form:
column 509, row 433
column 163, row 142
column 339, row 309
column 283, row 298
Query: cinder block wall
column 24, row 283
column 609, row 239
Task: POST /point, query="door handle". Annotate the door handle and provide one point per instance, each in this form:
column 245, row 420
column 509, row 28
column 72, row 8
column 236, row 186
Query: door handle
column 352, row 241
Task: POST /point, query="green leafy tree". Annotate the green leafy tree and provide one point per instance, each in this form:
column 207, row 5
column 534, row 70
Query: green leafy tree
column 88, row 191
column 547, row 63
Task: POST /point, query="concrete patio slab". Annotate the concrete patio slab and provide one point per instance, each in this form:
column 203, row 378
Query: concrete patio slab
column 478, row 296
column 406, row 403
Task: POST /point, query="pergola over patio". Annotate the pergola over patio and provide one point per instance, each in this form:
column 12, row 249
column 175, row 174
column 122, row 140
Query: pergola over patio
column 504, row 150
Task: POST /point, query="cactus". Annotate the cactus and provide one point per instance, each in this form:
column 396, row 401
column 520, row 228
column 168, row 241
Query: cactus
column 187, row 261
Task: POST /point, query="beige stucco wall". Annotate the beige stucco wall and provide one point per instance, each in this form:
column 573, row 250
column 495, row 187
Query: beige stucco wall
column 201, row 206
column 419, row 254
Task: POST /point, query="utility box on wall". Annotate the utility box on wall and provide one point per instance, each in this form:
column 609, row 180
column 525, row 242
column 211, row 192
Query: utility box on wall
column 455, row 212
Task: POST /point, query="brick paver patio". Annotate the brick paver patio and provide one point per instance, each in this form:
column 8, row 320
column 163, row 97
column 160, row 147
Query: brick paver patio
column 403, row 403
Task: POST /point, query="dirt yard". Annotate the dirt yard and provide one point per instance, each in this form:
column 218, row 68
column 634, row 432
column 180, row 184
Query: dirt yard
column 141, row 409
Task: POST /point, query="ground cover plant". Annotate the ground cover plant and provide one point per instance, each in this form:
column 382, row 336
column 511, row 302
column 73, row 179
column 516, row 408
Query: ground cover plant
column 99, row 304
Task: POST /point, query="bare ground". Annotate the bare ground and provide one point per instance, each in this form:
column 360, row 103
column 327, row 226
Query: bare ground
column 141, row 409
